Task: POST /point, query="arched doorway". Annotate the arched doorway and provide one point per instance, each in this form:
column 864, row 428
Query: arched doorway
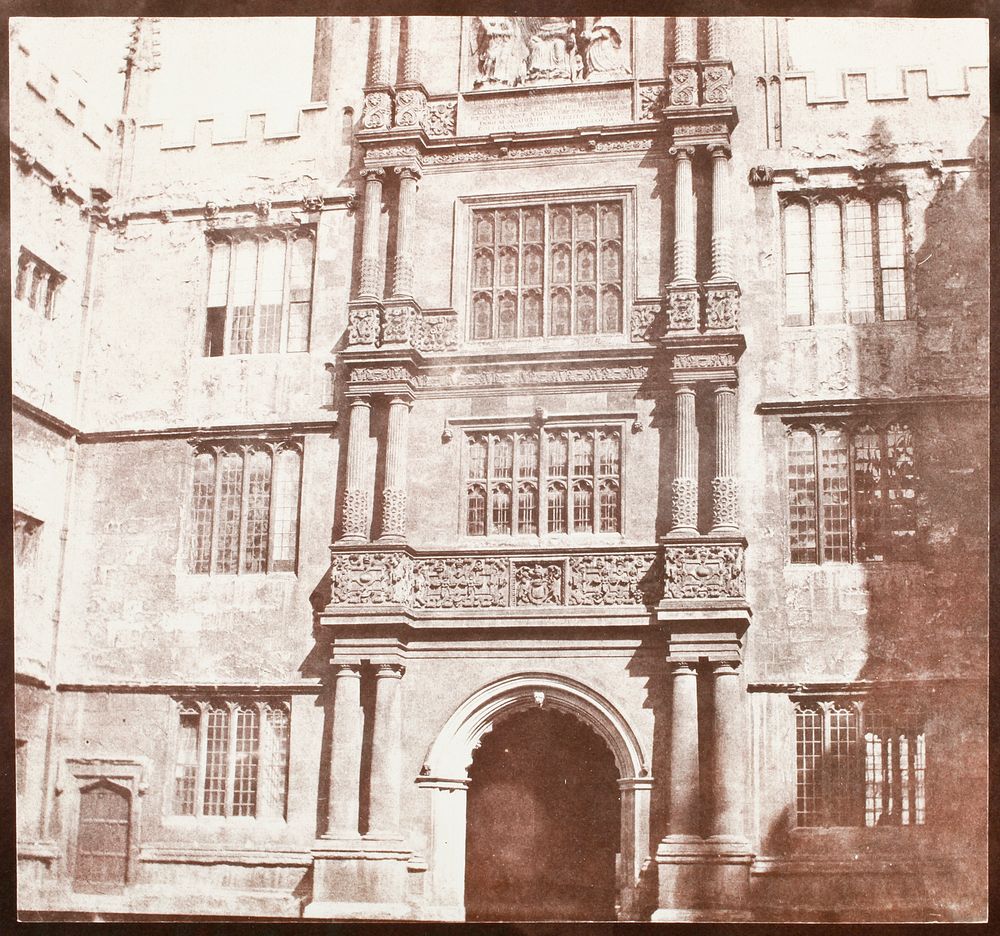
column 543, row 821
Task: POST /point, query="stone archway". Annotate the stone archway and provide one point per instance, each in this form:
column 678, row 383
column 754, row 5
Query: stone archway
column 445, row 776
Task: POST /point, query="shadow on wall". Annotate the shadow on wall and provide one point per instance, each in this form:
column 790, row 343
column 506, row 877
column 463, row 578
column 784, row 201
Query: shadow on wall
column 927, row 618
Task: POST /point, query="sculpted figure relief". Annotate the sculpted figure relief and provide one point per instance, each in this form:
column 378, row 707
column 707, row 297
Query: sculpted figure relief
column 552, row 51
column 500, row 53
column 605, row 57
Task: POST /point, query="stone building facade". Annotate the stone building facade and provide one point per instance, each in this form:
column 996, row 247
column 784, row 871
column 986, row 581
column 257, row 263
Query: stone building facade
column 547, row 481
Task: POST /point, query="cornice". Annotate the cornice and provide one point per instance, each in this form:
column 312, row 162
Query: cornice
column 241, row 430
column 54, row 423
column 846, row 407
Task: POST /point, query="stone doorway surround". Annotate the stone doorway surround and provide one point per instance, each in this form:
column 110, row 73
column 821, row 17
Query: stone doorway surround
column 446, row 779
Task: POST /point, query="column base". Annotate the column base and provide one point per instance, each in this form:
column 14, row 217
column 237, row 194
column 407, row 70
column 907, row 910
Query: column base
column 352, row 539
column 683, row 533
column 703, row 879
column 359, row 878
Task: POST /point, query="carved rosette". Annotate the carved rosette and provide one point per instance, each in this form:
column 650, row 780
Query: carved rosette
column 652, row 100
column 371, row 578
column 356, row 513
column 397, row 324
column 461, row 583
column 717, row 84
column 411, row 104
column 439, row 119
column 538, row 583
column 683, row 86
column 684, row 504
column 722, row 308
column 708, row 570
column 394, row 512
column 362, row 326
column 683, row 306
column 378, row 111
column 725, row 501
column 631, row 579
column 435, row 333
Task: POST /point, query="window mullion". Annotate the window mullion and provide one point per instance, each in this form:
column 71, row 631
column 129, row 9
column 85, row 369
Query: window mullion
column 543, row 482
column 272, row 502
column 876, row 261
column 263, row 778
column 825, row 766
column 514, row 481
column 286, row 295
column 852, row 505
column 519, row 289
column 844, row 284
column 247, row 452
column 230, row 243
column 595, row 469
column 812, row 260
column 219, row 453
column 818, row 497
column 546, row 263
column 231, row 758
column 490, row 438
column 200, row 769
column 572, row 309
column 497, row 240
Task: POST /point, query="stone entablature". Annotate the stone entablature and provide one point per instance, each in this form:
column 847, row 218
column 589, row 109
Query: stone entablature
column 695, row 572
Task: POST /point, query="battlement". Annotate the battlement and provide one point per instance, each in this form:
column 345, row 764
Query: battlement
column 915, row 84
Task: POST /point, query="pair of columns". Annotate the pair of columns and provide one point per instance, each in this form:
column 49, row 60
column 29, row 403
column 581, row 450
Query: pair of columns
column 343, row 818
column 684, row 242
column 725, row 484
column 728, row 789
column 686, row 39
column 357, row 516
column 380, row 67
column 371, row 268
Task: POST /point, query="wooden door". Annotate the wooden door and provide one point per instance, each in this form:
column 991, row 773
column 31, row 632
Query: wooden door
column 102, row 839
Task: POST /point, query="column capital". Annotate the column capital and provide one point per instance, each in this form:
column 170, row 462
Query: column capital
column 726, row 667
column 407, row 172
column 682, row 667
column 373, row 173
column 352, row 670
column 682, row 152
column 363, row 399
column 720, row 150
column 685, row 387
column 389, row 671
column 724, row 385
column 400, row 398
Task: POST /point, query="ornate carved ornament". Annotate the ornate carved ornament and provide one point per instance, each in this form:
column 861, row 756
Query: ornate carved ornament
column 600, row 579
column 371, row 325
column 483, row 151
column 703, row 570
column 652, row 100
column 714, row 307
column 439, row 118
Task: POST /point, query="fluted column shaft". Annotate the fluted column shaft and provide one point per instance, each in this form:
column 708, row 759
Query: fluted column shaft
column 685, row 483
column 729, row 750
column 394, row 493
column 725, row 484
column 387, row 757
column 684, row 255
column 684, row 771
column 372, row 231
column 381, row 62
column 685, row 42
column 722, row 268
column 356, row 494
column 403, row 280
column 345, row 752
column 716, row 39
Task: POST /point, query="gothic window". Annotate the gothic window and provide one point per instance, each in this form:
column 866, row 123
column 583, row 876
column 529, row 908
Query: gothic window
column 231, row 759
column 259, row 292
column 245, row 508
column 536, row 481
column 844, row 258
column 552, row 269
column 858, row 763
column 851, row 492
column 37, row 283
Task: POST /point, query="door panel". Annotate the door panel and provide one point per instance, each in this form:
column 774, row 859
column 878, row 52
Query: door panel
column 102, row 839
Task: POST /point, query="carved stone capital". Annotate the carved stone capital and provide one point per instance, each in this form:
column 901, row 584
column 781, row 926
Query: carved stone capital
column 682, row 668
column 720, row 150
column 726, row 668
column 681, row 152
column 389, row 671
column 407, row 172
column 346, row 670
column 372, row 173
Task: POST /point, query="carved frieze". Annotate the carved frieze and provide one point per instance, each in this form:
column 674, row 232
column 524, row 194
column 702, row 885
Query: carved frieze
column 377, row 114
column 461, row 582
column 538, row 583
column 371, row 578
column 527, row 375
column 435, row 333
column 722, row 308
column 652, row 100
column 683, row 85
column 439, row 118
column 379, row 374
column 685, row 361
column 528, row 151
column 709, row 570
column 396, row 324
column 627, row 579
column 363, row 326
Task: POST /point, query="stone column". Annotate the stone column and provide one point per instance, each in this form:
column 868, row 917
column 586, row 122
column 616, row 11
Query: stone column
column 403, row 280
column 684, row 256
column 411, row 50
column 381, row 63
column 387, row 755
column 345, row 752
column 370, row 265
column 685, row 39
column 356, row 494
column 685, row 483
column 725, row 484
column 722, row 268
column 728, row 744
column 394, row 492
column 716, row 40
column 684, row 773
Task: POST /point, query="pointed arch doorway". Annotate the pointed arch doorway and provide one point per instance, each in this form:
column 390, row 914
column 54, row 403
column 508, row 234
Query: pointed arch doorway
column 591, row 799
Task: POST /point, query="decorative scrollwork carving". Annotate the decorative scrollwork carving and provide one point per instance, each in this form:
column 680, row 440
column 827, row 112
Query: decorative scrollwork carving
column 703, row 571
column 683, row 86
column 538, row 583
column 362, row 326
column 683, row 305
column 435, row 333
column 717, row 84
column 461, row 583
column 722, row 308
column 397, row 324
column 439, row 118
column 646, row 321
column 370, row 578
column 628, row 579
column 411, row 105
column 652, row 100
column 378, row 111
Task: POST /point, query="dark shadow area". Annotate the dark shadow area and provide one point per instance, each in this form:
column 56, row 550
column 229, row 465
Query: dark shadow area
column 325, row 701
column 543, row 822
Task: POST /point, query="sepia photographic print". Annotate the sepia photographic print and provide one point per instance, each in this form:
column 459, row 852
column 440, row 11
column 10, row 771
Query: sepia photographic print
column 500, row 468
